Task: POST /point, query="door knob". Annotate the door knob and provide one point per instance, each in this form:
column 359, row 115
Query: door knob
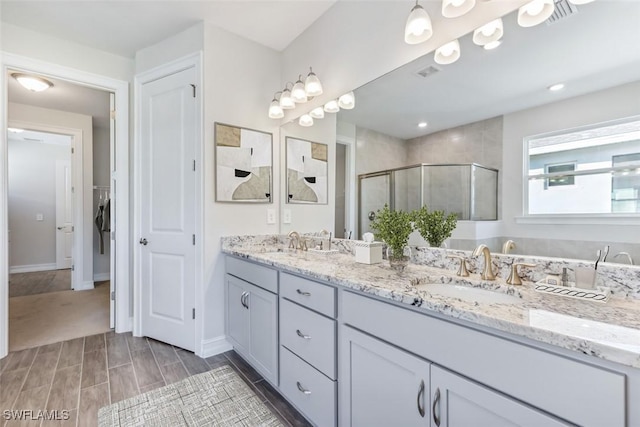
column 143, row 242
column 60, row 228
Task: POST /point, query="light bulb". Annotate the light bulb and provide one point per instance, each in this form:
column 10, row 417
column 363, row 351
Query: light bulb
column 305, row 120
column 418, row 27
column 312, row 85
column 331, row 106
column 347, row 101
column 317, row 113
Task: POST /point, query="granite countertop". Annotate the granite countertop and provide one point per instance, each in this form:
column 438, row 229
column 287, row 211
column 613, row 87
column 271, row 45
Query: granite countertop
column 609, row 331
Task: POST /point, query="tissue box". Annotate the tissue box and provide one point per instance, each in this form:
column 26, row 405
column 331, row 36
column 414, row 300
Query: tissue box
column 368, row 252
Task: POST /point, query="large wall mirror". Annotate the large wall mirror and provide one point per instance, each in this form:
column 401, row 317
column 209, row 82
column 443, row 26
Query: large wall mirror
column 483, row 107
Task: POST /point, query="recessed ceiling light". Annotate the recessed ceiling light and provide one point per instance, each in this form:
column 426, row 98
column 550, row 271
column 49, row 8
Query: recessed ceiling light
column 492, row 45
column 15, row 130
column 556, row 87
column 422, row 124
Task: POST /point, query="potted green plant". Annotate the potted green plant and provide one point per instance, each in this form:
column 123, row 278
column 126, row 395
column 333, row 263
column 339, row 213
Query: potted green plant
column 393, row 228
column 434, row 226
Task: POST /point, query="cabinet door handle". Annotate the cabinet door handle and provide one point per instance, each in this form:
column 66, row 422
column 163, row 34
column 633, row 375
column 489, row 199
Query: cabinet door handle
column 303, row 293
column 421, row 398
column 302, row 389
column 242, row 299
column 303, row 336
column 246, row 300
column 436, row 402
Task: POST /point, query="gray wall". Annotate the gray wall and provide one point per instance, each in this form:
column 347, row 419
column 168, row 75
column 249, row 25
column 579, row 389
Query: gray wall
column 32, row 190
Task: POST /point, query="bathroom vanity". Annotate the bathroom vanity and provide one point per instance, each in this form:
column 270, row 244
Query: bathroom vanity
column 361, row 345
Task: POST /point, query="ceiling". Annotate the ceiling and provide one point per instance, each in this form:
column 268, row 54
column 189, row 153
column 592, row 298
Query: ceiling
column 593, row 49
column 124, row 27
column 65, row 96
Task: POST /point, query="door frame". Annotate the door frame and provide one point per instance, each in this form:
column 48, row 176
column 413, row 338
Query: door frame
column 77, row 144
column 164, row 70
column 119, row 176
column 351, row 196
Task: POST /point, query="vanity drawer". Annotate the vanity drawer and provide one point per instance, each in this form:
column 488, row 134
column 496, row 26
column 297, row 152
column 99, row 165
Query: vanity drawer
column 316, row 296
column 264, row 277
column 310, row 391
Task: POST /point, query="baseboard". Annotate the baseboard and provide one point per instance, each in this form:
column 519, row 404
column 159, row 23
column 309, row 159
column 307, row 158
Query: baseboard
column 32, row 267
column 101, row 277
column 215, row 346
column 84, row 286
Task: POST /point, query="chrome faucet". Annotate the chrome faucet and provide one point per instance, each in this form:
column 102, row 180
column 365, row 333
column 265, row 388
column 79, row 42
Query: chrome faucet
column 487, row 272
column 508, row 245
column 625, row 254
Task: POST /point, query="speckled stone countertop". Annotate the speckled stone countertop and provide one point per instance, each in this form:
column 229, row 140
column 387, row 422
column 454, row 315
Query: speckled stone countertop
column 609, row 331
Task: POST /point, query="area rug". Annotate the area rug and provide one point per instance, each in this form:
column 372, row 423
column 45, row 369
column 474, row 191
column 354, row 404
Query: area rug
column 216, row 398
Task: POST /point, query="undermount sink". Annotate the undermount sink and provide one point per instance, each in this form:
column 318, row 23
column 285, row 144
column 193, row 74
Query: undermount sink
column 466, row 293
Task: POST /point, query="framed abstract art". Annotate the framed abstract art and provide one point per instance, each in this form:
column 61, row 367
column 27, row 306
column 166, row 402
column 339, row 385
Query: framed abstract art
column 244, row 165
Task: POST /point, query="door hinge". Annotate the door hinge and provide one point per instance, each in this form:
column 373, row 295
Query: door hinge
column 194, row 165
column 73, row 267
column 193, row 239
column 113, row 114
column 72, row 151
column 194, row 90
column 73, row 228
column 113, row 295
column 113, row 235
column 193, row 313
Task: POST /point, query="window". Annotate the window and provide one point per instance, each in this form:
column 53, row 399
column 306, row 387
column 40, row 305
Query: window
column 592, row 170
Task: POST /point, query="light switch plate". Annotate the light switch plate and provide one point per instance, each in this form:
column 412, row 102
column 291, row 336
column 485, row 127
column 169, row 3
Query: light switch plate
column 39, row 217
column 286, row 216
column 271, row 216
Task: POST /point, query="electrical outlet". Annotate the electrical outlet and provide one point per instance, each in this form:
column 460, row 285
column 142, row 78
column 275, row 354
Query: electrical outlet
column 271, row 216
column 39, row 217
column 286, row 216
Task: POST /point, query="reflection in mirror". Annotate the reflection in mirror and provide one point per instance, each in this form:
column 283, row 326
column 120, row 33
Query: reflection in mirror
column 307, row 171
column 483, row 107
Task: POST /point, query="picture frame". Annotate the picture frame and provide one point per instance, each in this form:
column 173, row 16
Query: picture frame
column 243, row 164
column 307, row 171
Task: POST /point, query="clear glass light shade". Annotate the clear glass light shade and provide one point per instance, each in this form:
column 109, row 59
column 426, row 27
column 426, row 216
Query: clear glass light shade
column 418, row 28
column 331, row 106
column 32, row 83
column 448, row 53
column 317, row 113
column 535, row 12
column 347, row 101
column 298, row 92
column 489, row 32
column 312, row 85
column 305, row 120
column 286, row 101
column 275, row 111
column 456, row 8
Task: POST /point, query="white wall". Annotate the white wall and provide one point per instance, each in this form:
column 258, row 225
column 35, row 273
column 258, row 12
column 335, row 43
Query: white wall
column 32, row 191
column 101, row 177
column 605, row 105
column 54, row 118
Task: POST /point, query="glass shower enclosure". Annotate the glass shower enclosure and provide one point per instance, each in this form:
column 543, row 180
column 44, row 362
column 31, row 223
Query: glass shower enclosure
column 468, row 190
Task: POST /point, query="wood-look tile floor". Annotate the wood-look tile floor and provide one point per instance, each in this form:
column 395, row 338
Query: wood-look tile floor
column 39, row 282
column 84, row 374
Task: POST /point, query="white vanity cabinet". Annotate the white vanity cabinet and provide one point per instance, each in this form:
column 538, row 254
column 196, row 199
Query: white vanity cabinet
column 252, row 315
column 308, row 348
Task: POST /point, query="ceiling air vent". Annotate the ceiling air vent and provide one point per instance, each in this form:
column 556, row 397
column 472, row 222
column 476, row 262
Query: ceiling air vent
column 427, row 71
column 562, row 11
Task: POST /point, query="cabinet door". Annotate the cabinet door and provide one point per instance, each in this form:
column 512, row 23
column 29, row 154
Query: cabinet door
column 237, row 314
column 381, row 385
column 263, row 327
column 459, row 402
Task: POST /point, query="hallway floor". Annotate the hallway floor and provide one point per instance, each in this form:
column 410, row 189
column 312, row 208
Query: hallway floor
column 46, row 318
column 39, row 282
column 85, row 374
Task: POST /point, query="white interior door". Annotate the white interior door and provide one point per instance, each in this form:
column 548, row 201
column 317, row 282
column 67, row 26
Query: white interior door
column 64, row 215
column 167, row 223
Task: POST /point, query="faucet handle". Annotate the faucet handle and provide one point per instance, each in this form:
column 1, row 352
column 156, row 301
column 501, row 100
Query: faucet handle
column 514, row 277
column 462, row 270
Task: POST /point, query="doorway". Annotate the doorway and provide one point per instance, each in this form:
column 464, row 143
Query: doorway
column 117, row 172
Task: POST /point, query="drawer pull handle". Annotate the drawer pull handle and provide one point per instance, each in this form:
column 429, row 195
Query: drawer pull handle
column 302, row 389
column 303, row 336
column 420, row 399
column 436, row 401
column 303, row 293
